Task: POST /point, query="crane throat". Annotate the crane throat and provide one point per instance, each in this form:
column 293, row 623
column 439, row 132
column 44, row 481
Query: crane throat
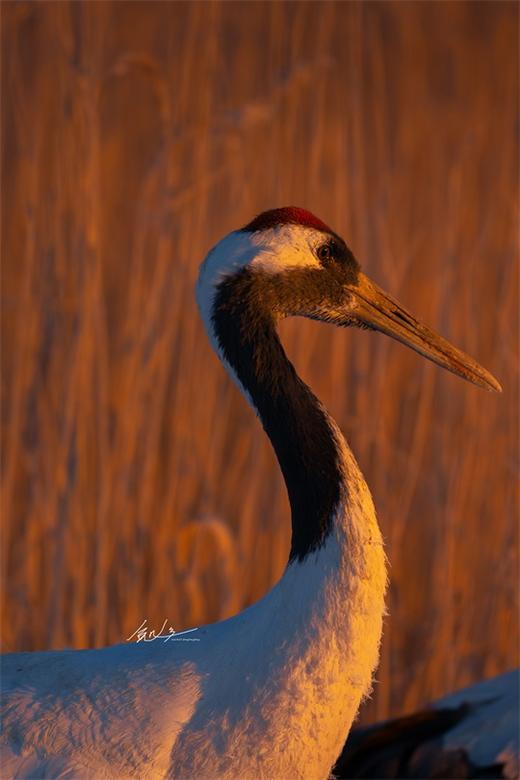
column 296, row 423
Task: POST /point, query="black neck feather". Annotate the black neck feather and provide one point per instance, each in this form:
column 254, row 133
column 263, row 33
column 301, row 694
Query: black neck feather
column 291, row 415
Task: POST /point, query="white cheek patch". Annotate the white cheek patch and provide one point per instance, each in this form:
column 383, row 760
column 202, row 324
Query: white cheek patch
column 288, row 246
column 272, row 251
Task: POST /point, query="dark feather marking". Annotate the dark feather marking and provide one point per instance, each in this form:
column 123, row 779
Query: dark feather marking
column 410, row 747
column 245, row 310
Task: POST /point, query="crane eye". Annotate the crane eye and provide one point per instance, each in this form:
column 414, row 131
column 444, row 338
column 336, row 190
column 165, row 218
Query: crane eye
column 324, row 253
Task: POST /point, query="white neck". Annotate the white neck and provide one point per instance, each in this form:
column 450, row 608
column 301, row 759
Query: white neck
column 306, row 652
column 302, row 658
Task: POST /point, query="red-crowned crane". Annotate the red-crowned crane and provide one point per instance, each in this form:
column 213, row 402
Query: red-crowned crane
column 473, row 733
column 271, row 692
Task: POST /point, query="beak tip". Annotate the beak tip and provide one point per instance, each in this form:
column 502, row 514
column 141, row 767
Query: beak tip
column 492, row 384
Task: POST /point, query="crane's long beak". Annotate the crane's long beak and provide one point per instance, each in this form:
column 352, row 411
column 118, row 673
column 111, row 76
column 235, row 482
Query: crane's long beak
column 376, row 309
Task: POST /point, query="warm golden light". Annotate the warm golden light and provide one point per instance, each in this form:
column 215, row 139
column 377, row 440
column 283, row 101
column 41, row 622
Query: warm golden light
column 136, row 482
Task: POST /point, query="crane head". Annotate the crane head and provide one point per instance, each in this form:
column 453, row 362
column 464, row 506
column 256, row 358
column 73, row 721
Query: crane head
column 290, row 263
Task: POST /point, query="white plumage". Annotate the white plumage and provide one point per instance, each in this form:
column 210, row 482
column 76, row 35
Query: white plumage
column 490, row 733
column 271, row 692
column 296, row 663
column 473, row 733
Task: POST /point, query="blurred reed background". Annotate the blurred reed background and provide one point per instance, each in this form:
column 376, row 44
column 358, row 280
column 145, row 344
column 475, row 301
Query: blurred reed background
column 136, row 482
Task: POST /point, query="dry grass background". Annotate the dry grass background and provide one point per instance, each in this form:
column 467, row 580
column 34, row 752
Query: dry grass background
column 136, row 483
